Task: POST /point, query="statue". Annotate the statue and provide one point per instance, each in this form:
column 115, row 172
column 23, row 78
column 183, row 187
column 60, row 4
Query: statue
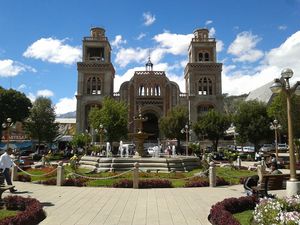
column 121, row 149
column 108, row 149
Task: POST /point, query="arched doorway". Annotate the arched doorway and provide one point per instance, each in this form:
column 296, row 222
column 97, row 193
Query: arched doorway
column 151, row 126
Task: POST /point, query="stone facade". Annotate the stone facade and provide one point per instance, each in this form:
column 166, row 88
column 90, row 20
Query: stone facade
column 150, row 90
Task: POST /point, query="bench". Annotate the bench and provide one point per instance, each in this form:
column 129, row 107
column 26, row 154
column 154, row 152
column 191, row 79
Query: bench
column 271, row 182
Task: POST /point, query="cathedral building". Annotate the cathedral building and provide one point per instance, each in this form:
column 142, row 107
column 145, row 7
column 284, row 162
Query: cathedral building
column 149, row 90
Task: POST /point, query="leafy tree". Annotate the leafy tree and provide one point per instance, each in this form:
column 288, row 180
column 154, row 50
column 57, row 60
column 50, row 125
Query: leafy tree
column 14, row 105
column 213, row 125
column 231, row 103
column 80, row 140
column 252, row 122
column 172, row 124
column 113, row 116
column 41, row 124
column 278, row 110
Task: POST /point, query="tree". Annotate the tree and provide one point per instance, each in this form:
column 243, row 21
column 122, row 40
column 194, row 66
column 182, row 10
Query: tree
column 113, row 116
column 41, row 124
column 213, row 125
column 278, row 110
column 252, row 122
column 172, row 124
column 14, row 105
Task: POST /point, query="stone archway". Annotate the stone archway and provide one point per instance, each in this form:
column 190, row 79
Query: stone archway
column 151, row 126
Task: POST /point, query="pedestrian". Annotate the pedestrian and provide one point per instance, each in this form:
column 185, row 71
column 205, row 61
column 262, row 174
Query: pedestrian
column 250, row 184
column 5, row 164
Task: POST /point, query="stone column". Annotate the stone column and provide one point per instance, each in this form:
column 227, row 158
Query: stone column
column 43, row 160
column 212, row 174
column 136, row 175
column 60, row 174
column 238, row 162
column 14, row 173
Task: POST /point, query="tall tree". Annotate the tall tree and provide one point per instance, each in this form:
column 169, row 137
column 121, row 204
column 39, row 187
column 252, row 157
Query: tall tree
column 172, row 124
column 278, row 110
column 41, row 124
column 14, row 105
column 213, row 125
column 113, row 116
column 252, row 122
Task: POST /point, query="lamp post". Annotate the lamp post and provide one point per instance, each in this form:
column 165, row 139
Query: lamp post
column 86, row 134
column 7, row 125
column 283, row 84
column 275, row 126
column 186, row 131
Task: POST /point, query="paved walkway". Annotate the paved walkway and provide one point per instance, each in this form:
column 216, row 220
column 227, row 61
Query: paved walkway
column 108, row 206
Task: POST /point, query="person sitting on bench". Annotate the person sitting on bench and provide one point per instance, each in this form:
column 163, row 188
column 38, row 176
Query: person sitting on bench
column 274, row 168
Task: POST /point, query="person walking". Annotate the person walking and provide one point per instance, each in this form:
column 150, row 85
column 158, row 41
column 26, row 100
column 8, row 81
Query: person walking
column 5, row 164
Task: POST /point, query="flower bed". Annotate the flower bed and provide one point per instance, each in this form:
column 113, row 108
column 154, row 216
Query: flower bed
column 147, row 183
column 204, row 182
column 23, row 178
column 79, row 182
column 281, row 211
column 221, row 213
column 31, row 211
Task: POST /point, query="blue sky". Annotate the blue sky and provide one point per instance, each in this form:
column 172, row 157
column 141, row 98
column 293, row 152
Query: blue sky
column 40, row 41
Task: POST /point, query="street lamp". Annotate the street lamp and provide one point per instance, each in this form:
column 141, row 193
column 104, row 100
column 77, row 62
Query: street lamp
column 7, row 125
column 186, row 131
column 293, row 185
column 275, row 126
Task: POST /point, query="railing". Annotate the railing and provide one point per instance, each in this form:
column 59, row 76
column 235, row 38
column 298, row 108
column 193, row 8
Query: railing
column 203, row 40
column 95, row 38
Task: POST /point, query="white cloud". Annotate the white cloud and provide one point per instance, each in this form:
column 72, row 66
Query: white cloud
column 31, row 96
column 118, row 41
column 53, row 51
column 207, row 22
column 212, row 32
column 219, row 45
column 236, row 81
column 141, row 36
column 22, row 86
column 282, row 27
column 10, row 68
column 243, row 47
column 176, row 44
column 127, row 55
column 45, row 93
column 65, row 105
column 149, row 19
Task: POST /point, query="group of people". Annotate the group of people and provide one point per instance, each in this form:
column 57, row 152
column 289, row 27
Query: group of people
column 6, row 164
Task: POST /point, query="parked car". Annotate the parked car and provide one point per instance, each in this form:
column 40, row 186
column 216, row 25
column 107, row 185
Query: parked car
column 283, row 146
column 267, row 148
column 248, row 149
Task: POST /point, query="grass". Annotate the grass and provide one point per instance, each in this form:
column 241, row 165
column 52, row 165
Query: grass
column 7, row 213
column 232, row 175
column 245, row 218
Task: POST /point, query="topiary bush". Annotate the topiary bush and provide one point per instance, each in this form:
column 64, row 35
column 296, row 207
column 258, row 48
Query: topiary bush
column 31, row 211
column 79, row 182
column 221, row 212
column 24, row 178
column 204, row 182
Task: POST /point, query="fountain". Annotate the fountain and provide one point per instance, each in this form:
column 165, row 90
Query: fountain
column 157, row 162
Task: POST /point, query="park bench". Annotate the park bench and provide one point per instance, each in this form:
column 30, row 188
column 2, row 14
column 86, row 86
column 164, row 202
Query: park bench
column 271, row 182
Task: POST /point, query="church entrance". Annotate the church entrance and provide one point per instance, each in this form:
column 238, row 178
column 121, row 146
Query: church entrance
column 151, row 126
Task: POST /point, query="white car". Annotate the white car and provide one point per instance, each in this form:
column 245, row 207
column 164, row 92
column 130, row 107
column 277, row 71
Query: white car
column 267, row 148
column 248, row 149
column 283, row 146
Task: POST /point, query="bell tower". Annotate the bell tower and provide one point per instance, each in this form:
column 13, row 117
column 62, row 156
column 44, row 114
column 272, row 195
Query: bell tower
column 95, row 75
column 203, row 75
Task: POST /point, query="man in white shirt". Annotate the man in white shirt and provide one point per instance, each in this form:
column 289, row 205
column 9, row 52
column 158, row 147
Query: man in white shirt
column 5, row 164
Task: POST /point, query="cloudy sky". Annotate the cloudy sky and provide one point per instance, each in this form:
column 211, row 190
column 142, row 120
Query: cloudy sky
column 41, row 41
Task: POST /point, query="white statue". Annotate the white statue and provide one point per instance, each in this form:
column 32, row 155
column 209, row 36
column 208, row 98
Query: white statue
column 121, row 148
column 173, row 151
column 108, row 149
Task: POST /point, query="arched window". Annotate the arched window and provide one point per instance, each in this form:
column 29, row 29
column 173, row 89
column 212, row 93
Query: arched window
column 142, row 90
column 93, row 86
column 157, row 90
column 201, row 57
column 206, row 57
column 205, row 86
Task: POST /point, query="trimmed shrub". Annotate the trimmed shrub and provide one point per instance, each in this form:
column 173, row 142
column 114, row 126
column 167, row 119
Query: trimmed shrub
column 147, row 183
column 221, row 212
column 24, row 178
column 32, row 211
column 204, row 182
column 221, row 181
column 79, row 182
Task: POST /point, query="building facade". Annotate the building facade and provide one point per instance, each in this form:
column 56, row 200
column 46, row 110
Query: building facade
column 148, row 89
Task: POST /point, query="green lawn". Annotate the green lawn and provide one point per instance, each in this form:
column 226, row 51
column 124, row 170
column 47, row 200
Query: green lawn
column 245, row 217
column 232, row 175
column 7, row 213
